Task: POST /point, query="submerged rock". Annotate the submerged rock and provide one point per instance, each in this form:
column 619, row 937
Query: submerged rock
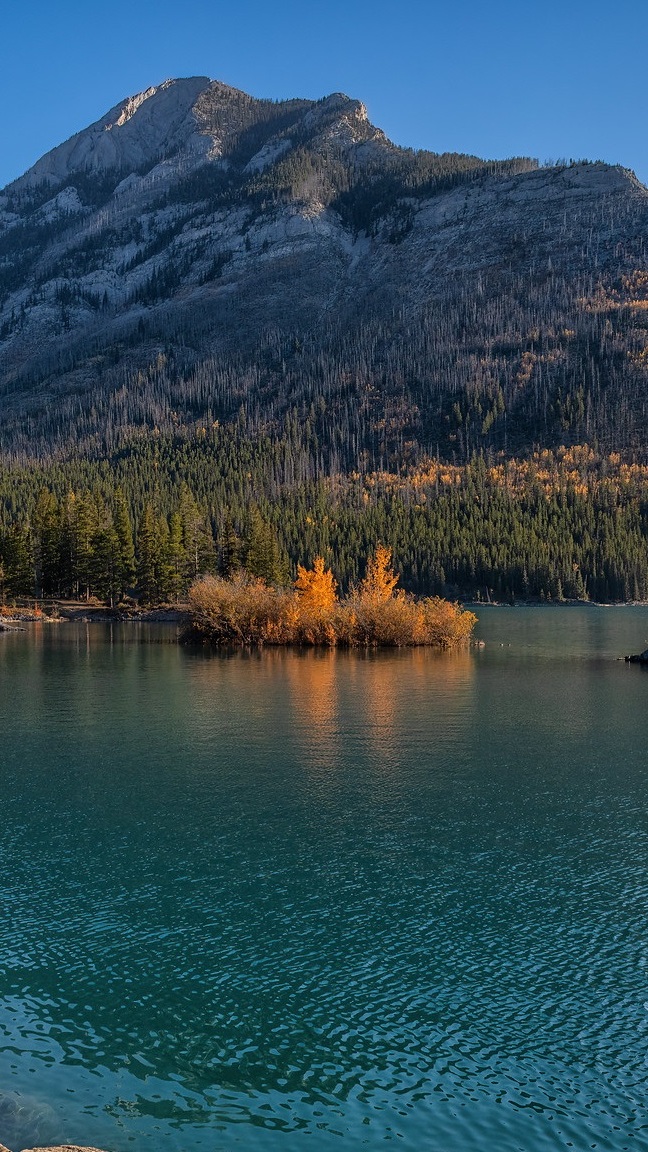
column 26, row 1119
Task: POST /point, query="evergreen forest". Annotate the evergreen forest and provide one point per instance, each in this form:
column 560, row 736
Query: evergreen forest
column 146, row 521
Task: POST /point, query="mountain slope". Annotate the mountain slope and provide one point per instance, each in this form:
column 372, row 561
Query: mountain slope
column 199, row 255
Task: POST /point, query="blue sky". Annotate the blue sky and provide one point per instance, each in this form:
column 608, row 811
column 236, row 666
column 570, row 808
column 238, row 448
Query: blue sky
column 498, row 78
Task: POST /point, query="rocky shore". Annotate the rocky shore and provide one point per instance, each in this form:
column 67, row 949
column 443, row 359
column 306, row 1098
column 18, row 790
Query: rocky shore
column 641, row 658
column 61, row 611
column 56, row 1148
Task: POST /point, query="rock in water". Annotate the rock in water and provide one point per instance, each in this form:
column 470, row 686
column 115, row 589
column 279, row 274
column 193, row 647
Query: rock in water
column 642, row 658
column 26, row 1120
column 59, row 1148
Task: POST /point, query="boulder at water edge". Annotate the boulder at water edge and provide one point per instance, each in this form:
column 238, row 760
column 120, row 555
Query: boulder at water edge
column 642, row 658
column 59, row 1148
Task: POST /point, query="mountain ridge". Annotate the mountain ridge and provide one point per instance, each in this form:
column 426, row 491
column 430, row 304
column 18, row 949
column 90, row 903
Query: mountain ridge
column 274, row 254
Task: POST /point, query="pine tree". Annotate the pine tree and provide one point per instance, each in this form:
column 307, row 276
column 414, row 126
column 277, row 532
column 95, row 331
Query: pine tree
column 46, row 531
column 84, row 524
column 163, row 563
column 197, row 535
column 126, row 549
column 178, row 561
column 148, row 553
column 19, row 561
column 230, row 548
column 263, row 557
column 105, row 563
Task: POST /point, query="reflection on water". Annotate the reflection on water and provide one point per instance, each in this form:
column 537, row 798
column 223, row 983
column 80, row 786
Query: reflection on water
column 337, row 696
column 396, row 896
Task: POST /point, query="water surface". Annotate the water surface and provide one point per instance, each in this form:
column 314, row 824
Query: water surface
column 272, row 901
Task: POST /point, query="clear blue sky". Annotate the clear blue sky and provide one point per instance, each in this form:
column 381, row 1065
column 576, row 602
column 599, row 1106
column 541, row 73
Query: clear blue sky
column 498, row 78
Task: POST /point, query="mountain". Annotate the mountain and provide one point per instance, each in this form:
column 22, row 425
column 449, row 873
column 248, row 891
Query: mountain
column 200, row 256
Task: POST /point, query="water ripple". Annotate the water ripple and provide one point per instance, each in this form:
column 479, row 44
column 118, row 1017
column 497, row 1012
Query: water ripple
column 335, row 897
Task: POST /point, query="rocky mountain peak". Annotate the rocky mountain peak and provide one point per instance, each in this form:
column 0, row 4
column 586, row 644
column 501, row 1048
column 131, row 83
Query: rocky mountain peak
column 132, row 135
column 193, row 119
column 130, row 106
column 197, row 219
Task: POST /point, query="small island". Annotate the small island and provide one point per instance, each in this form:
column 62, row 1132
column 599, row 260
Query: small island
column 246, row 611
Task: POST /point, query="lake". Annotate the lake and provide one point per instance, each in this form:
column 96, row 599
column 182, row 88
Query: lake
column 274, row 901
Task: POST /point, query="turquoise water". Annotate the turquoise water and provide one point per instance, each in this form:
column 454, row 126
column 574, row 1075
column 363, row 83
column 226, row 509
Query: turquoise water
column 273, row 901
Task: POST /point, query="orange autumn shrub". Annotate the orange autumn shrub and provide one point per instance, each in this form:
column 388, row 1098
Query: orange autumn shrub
column 241, row 611
column 403, row 621
column 380, row 580
column 247, row 611
column 444, row 623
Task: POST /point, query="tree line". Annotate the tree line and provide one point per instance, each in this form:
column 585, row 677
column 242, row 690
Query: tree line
column 146, row 522
column 84, row 547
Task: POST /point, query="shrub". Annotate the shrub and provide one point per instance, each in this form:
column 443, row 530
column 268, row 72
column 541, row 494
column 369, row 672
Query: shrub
column 247, row 611
column 244, row 610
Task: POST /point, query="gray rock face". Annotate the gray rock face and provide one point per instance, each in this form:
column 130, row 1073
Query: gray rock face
column 195, row 223
column 135, row 133
column 122, row 190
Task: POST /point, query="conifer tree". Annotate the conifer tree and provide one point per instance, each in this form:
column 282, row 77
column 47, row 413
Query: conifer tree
column 67, row 560
column 230, row 548
column 19, row 561
column 83, row 526
column 148, row 556
column 177, row 558
column 263, row 557
column 105, row 563
column 126, row 549
column 197, row 535
column 164, row 565
column 46, row 532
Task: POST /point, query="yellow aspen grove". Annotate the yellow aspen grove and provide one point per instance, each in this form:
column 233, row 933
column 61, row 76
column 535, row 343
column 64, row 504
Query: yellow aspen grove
column 380, row 580
column 316, row 586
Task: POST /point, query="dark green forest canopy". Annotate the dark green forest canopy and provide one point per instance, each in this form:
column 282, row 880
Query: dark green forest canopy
column 165, row 509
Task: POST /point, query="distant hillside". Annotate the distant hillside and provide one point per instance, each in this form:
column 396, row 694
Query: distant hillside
column 199, row 256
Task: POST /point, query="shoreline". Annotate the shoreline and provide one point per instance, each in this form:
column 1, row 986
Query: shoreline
column 479, row 604
column 61, row 611
column 57, row 1148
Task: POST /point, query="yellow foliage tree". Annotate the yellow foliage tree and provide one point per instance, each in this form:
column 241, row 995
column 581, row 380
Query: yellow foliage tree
column 316, row 586
column 380, row 580
column 246, row 611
